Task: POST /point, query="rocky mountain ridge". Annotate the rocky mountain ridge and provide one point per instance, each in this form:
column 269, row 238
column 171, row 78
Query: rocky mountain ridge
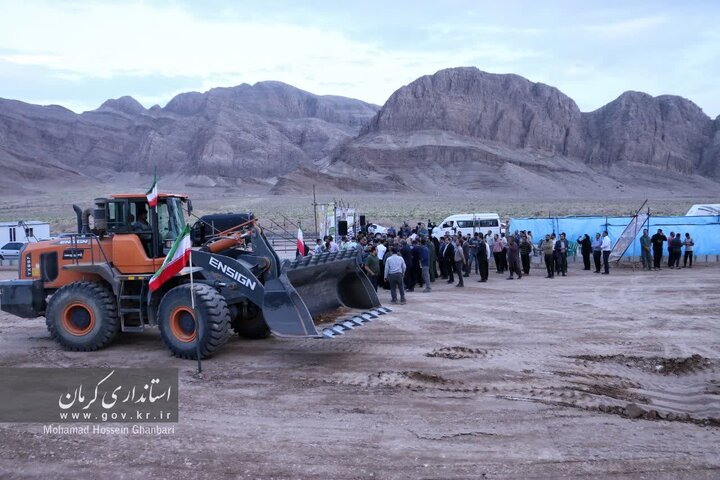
column 460, row 128
column 465, row 128
column 260, row 131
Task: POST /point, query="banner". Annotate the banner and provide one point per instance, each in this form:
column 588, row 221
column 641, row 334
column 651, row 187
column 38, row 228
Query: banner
column 628, row 236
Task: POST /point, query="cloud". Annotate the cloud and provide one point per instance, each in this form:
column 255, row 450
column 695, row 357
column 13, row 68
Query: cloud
column 623, row 28
column 138, row 39
column 81, row 53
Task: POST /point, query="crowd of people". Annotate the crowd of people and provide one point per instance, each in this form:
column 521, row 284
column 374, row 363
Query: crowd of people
column 404, row 259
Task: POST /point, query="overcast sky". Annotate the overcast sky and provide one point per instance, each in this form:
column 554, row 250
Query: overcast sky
column 78, row 54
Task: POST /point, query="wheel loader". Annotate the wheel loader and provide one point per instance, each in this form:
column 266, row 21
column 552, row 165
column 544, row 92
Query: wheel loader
column 94, row 284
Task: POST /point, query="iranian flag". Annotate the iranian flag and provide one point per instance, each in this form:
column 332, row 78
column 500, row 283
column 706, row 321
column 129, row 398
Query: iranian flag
column 175, row 261
column 300, row 243
column 152, row 194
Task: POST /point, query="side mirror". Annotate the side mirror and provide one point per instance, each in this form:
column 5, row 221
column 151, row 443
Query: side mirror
column 189, row 206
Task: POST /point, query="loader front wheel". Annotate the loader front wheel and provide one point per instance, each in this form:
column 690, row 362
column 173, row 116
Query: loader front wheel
column 82, row 316
column 178, row 321
column 251, row 323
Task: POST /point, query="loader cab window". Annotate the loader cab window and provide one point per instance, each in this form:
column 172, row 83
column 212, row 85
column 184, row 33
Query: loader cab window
column 117, row 216
column 171, row 219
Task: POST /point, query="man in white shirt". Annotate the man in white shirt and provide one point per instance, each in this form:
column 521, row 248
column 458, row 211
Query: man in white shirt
column 333, row 246
column 606, row 248
column 318, row 247
column 394, row 273
column 381, row 248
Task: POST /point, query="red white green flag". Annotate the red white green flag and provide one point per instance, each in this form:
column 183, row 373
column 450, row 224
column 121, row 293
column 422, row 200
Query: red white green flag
column 152, row 194
column 300, row 243
column 175, row 261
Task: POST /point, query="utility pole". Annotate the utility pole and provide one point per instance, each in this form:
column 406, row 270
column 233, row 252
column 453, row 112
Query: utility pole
column 317, row 230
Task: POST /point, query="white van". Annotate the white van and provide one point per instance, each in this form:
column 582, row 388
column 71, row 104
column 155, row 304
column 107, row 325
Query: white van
column 468, row 223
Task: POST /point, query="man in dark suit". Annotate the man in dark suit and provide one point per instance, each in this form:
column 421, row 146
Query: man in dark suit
column 561, row 249
column 406, row 254
column 657, row 241
column 483, row 254
column 449, row 258
column 441, row 258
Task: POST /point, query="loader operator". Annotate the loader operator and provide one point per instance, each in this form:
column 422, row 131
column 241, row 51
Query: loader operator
column 141, row 225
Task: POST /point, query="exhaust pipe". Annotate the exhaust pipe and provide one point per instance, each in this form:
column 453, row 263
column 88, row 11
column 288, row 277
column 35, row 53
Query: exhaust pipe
column 78, row 214
column 86, row 220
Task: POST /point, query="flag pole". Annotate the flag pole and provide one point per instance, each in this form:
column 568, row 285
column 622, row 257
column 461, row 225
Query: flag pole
column 195, row 315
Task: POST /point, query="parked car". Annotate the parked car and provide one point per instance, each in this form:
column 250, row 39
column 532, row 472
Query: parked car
column 11, row 250
column 378, row 230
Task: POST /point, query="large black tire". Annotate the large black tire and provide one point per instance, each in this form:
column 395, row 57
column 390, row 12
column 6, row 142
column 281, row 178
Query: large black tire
column 176, row 320
column 82, row 316
column 252, row 325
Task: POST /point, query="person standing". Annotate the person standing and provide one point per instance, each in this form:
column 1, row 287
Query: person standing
column 586, row 249
column 424, row 254
column 671, row 256
column 449, row 258
column 561, row 250
column 606, row 247
column 372, row 267
column 473, row 252
column 318, row 247
column 441, row 258
column 416, row 265
column 381, row 250
column 645, row 255
column 394, row 274
column 503, row 257
column 497, row 249
column 407, row 256
column 597, row 252
column 513, row 258
column 657, row 243
column 459, row 261
column 676, row 247
column 526, row 248
column 466, row 254
column 436, row 262
column 432, row 258
column 483, row 258
column 689, row 244
column 547, row 247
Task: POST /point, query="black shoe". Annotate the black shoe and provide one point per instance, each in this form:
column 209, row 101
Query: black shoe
column 597, row 271
column 509, row 278
column 450, row 281
column 564, row 275
column 606, row 273
column 548, row 276
column 459, row 285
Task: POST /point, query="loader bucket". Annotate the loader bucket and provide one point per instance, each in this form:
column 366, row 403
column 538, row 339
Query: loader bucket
column 328, row 281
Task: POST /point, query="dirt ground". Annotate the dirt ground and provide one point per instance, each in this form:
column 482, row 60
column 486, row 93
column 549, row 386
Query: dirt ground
column 525, row 379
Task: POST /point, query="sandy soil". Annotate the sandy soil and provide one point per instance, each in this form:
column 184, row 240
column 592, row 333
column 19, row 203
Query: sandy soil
column 521, row 379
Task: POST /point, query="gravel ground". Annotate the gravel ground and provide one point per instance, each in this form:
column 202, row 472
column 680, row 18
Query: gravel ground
column 533, row 378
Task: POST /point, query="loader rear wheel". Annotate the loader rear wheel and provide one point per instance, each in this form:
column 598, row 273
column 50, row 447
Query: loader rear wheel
column 251, row 324
column 82, row 316
column 177, row 321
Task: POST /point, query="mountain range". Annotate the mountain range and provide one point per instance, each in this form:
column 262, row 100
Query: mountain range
column 460, row 129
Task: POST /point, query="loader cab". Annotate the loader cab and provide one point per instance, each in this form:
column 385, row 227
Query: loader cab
column 142, row 234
